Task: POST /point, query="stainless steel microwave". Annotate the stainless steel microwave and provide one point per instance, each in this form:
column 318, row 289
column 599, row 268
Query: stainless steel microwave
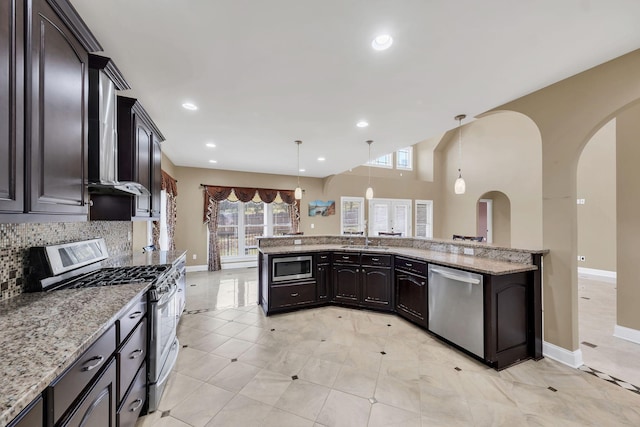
column 292, row 268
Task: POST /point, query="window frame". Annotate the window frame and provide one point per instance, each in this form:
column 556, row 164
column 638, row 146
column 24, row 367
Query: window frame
column 352, row 199
column 388, row 165
column 409, row 154
column 429, row 224
column 391, row 204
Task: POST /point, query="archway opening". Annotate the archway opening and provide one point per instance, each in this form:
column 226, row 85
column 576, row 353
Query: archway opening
column 493, row 218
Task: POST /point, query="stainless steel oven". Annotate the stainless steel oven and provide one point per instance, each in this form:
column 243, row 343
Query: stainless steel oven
column 164, row 345
column 292, row 268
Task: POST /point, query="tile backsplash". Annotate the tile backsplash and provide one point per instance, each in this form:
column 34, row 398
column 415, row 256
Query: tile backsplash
column 16, row 239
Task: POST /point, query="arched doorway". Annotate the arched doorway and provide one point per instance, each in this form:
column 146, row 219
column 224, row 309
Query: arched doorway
column 493, row 218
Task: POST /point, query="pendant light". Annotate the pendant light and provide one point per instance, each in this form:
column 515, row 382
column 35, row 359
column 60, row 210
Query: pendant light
column 460, row 186
column 369, row 193
column 298, row 191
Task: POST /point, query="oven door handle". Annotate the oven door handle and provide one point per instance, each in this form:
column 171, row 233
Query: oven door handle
column 166, row 298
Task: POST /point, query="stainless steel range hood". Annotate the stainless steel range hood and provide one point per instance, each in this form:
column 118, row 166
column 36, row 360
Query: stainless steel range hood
column 104, row 80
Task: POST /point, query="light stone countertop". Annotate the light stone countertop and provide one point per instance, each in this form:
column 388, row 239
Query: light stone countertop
column 467, row 262
column 149, row 258
column 43, row 333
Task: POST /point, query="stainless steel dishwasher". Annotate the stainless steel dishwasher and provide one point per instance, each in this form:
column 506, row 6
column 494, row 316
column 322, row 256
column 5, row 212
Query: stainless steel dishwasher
column 456, row 307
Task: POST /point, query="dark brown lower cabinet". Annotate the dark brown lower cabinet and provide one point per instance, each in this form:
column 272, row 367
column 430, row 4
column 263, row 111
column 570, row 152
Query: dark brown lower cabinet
column 98, row 408
column 346, row 283
column 508, row 319
column 291, row 295
column 133, row 403
column 31, row 416
column 411, row 297
column 376, row 287
column 323, row 280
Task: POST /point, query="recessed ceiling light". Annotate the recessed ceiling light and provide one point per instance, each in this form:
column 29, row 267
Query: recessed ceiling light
column 211, row 145
column 362, row 124
column 213, row 161
column 303, row 170
column 321, row 159
column 382, row 42
column 189, row 106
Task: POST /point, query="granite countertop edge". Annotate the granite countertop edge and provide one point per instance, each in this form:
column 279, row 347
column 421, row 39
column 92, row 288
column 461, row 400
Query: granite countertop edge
column 467, row 262
column 15, row 397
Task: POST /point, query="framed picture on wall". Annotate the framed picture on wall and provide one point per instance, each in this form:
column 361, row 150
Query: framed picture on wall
column 320, row 208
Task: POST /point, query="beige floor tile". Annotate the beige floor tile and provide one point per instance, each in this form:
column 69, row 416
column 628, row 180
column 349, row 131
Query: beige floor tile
column 344, row 410
column 331, row 351
column 267, row 387
column 280, row 418
column 155, row 420
column 288, row 363
column 234, row 376
column 303, row 399
column 232, row 348
column 241, row 411
column 320, row 371
column 261, row 355
column 248, row 318
column 489, row 414
column 202, row 322
column 442, row 407
column 251, row 333
column 388, row 416
column 364, row 359
column 399, row 393
column 178, row 388
column 205, row 367
column 187, row 357
column 408, row 370
column 200, row 407
column 356, row 381
column 208, row 342
column 231, row 329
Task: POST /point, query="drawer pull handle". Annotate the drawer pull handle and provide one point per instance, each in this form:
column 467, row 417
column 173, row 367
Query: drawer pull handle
column 135, row 314
column 295, row 294
column 99, row 360
column 136, row 353
column 375, row 259
column 408, row 265
column 345, row 257
column 135, row 405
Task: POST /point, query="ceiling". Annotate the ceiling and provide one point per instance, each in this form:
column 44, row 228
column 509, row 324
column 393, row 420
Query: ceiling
column 266, row 73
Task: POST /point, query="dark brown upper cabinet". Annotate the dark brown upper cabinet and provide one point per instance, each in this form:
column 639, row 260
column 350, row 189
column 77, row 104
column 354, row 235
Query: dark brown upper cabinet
column 139, row 159
column 11, row 106
column 43, row 111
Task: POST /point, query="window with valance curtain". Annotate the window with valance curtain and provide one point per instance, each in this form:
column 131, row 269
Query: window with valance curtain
column 213, row 195
column 170, row 186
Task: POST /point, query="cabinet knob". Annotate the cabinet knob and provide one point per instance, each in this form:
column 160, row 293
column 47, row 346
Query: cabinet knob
column 295, row 294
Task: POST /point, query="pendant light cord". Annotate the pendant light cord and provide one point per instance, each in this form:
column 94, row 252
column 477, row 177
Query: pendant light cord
column 298, row 144
column 369, row 168
column 459, row 119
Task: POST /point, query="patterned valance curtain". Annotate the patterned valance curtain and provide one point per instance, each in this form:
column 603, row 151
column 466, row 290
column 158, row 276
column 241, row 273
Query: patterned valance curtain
column 170, row 185
column 213, row 195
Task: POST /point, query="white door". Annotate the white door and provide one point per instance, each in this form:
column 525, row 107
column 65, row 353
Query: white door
column 390, row 216
column 424, row 218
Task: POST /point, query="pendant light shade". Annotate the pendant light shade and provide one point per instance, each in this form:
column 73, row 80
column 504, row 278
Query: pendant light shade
column 298, row 191
column 369, row 193
column 460, row 186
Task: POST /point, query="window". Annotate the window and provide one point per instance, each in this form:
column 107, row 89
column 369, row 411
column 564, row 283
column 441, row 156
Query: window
column 424, row 218
column 240, row 225
column 404, row 158
column 390, row 216
column 352, row 214
column 385, row 161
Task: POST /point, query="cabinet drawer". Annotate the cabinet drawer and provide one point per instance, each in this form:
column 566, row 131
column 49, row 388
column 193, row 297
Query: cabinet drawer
column 131, row 356
column 31, row 416
column 323, row 258
column 346, row 258
column 291, row 295
column 376, row 260
column 408, row 264
column 69, row 385
column 130, row 319
column 132, row 405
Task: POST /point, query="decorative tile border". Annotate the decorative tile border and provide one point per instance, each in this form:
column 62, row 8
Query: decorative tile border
column 609, row 378
column 16, row 239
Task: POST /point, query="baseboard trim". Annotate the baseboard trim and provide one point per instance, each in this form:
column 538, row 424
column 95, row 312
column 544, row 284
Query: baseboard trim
column 241, row 264
column 628, row 334
column 598, row 273
column 562, row 355
column 191, row 268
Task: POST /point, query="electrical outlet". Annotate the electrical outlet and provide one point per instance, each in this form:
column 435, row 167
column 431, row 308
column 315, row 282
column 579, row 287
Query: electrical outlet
column 195, row 256
column 467, row 251
column 297, row 242
column 128, row 236
column 581, row 201
column 313, row 226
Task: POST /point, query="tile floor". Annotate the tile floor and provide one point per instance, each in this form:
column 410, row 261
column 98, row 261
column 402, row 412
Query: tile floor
column 341, row 367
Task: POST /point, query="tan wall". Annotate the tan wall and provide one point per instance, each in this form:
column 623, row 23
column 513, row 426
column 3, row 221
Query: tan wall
column 568, row 113
column 168, row 166
column 191, row 232
column 628, row 219
column 500, row 152
column 597, row 185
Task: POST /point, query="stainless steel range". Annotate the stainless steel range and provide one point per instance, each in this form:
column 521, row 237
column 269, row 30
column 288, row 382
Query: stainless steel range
column 80, row 264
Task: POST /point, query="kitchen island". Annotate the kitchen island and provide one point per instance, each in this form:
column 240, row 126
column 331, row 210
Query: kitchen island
column 415, row 278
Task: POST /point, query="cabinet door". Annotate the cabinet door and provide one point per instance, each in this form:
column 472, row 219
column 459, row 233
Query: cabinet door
column 411, row 297
column 376, row 287
column 143, row 157
column 98, row 408
column 57, row 70
column 11, row 106
column 156, row 177
column 346, row 283
column 31, row 416
column 324, row 282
